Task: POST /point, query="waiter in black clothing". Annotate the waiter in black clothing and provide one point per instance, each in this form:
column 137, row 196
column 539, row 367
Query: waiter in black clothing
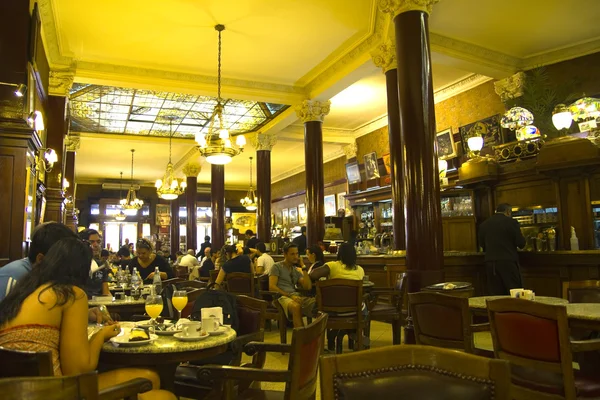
column 499, row 236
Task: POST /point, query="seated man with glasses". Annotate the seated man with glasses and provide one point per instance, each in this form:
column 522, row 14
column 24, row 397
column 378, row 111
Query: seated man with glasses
column 283, row 278
column 98, row 283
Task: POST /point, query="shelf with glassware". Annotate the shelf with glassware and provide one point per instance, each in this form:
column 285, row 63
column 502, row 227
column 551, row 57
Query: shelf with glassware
column 539, row 226
column 458, row 220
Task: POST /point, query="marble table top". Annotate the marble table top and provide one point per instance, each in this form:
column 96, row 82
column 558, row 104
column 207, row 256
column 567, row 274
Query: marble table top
column 168, row 344
column 584, row 311
column 480, row 302
column 114, row 302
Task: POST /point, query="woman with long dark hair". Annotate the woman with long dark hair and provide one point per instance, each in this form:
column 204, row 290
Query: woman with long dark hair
column 48, row 311
column 344, row 268
column 315, row 257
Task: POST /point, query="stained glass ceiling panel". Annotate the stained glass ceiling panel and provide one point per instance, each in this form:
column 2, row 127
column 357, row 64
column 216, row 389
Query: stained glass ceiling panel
column 107, row 109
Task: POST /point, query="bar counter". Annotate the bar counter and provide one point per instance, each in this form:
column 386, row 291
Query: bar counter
column 543, row 272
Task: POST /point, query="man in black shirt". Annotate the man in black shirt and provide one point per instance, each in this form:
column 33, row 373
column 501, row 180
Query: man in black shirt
column 98, row 283
column 200, row 255
column 499, row 236
column 251, row 239
column 300, row 241
column 235, row 263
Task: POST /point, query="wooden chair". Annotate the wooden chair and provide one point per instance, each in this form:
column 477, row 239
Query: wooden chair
column 342, row 300
column 213, row 275
column 581, row 291
column 274, row 308
column 251, row 313
column 181, row 272
column 241, row 283
column 191, row 284
column 300, row 377
column 25, row 363
column 413, row 372
column 391, row 312
column 444, row 321
column 76, row 387
column 534, row 338
column 172, row 281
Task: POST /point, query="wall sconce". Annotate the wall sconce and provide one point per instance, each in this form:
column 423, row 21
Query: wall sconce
column 36, row 121
column 442, row 167
column 20, row 88
column 49, row 158
column 65, row 184
column 561, row 117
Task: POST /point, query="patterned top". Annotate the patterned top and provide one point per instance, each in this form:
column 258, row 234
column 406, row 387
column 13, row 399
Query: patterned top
column 33, row 338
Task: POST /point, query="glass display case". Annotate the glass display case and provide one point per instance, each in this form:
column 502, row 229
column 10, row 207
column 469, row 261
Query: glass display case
column 459, row 204
column 596, row 223
column 539, row 226
column 366, row 222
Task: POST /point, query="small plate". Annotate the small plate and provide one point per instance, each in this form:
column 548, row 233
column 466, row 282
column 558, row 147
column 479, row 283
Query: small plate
column 180, row 336
column 220, row 331
column 122, row 340
column 147, row 324
column 167, row 333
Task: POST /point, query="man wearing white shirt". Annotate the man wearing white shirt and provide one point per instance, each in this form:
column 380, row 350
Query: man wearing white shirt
column 189, row 260
column 264, row 262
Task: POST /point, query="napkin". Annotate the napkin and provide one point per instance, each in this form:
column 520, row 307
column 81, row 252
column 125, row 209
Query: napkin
column 212, row 312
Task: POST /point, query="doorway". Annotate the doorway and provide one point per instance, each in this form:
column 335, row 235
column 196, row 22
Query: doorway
column 115, row 234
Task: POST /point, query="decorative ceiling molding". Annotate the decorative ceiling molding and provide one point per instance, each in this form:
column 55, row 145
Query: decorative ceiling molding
column 61, row 80
column 511, row 87
column 458, row 87
column 313, row 110
column 561, row 54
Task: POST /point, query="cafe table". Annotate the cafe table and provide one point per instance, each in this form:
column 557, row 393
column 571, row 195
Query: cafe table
column 165, row 353
column 125, row 308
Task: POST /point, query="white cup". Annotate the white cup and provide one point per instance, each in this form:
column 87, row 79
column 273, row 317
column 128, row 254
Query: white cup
column 517, row 293
column 191, row 329
column 210, row 324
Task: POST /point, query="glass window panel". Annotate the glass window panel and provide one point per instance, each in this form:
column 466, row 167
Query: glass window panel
column 142, row 117
column 145, row 211
column 95, row 209
column 111, row 234
column 138, row 127
column 130, row 231
column 95, row 227
column 112, row 209
column 146, row 230
column 182, row 230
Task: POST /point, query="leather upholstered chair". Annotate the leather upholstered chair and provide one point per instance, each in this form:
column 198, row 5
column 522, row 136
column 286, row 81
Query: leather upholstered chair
column 534, row 338
column 240, row 283
column 413, row 372
column 392, row 311
column 25, row 363
column 444, row 321
column 300, row 377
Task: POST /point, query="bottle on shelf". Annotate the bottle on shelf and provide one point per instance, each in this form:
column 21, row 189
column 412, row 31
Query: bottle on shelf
column 574, row 240
column 156, row 281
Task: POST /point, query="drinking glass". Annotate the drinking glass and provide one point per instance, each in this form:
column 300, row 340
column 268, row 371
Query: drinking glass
column 154, row 306
column 179, row 300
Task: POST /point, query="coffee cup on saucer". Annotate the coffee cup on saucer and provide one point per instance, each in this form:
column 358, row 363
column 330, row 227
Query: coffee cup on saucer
column 191, row 329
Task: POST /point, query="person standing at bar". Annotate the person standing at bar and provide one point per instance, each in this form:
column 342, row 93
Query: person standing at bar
column 300, row 241
column 499, row 236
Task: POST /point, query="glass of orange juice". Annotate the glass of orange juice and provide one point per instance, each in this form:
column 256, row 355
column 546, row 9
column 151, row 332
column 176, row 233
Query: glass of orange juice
column 179, row 300
column 154, row 306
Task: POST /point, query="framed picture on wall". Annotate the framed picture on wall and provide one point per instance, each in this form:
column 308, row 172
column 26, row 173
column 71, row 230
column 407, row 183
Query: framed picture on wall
column 445, row 144
column 371, row 167
column 284, row 214
column 278, row 218
column 302, row 213
column 293, row 216
column 330, row 210
column 353, row 173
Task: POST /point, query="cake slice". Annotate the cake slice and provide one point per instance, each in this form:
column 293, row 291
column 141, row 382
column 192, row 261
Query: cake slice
column 138, row 334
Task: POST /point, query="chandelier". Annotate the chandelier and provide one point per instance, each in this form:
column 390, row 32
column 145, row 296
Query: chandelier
column 250, row 200
column 121, row 215
column 131, row 202
column 169, row 188
column 216, row 145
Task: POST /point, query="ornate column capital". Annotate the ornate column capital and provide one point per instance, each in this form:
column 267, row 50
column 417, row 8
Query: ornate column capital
column 395, row 7
column 511, row 87
column 350, row 150
column 72, row 142
column 192, row 169
column 313, row 110
column 263, row 141
column 61, row 80
column 384, row 56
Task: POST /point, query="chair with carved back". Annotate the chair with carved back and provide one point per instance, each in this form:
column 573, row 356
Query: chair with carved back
column 534, row 338
column 342, row 300
column 75, row 387
column 181, row 272
column 392, row 311
column 444, row 321
column 300, row 377
column 274, row 308
column 25, row 363
column 413, row 372
column 240, row 283
column 251, row 315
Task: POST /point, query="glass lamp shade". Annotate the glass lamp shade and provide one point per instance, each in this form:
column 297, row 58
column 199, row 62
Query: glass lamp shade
column 228, row 143
column 516, row 117
column 168, row 196
column 120, row 216
column 240, row 140
column 251, row 208
column 224, row 134
column 442, row 167
column 50, row 156
column 585, row 108
column 158, row 183
column 475, row 143
column 219, row 159
column 201, row 139
column 561, row 117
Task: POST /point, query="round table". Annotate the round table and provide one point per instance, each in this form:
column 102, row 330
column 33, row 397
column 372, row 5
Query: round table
column 479, row 303
column 125, row 308
column 165, row 353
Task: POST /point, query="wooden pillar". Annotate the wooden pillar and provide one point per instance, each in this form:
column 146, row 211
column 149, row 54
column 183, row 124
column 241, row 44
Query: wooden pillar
column 217, row 204
column 191, row 171
column 312, row 113
column 70, row 213
column 174, row 226
column 263, row 143
column 385, row 58
column 56, row 131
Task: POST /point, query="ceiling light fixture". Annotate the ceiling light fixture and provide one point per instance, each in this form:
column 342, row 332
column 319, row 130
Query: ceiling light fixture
column 169, row 188
column 131, row 202
column 250, row 200
column 121, row 215
column 216, row 145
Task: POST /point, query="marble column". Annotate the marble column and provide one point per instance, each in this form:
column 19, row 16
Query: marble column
column 424, row 247
column 174, row 226
column 312, row 113
column 263, row 143
column 217, row 204
column 384, row 57
column 191, row 171
column 71, row 147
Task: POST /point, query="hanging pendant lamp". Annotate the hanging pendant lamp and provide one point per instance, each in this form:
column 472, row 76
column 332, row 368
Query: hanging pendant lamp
column 131, row 202
column 169, row 188
column 121, row 215
column 250, row 200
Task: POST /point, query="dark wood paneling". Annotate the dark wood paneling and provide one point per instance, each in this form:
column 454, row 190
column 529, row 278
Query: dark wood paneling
column 459, row 234
column 531, row 192
column 12, row 203
column 576, row 211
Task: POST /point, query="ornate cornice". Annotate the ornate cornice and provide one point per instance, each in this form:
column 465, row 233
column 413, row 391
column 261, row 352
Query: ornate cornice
column 61, row 80
column 384, row 56
column 191, row 153
column 511, row 87
column 395, row 7
column 313, row 110
column 72, row 142
column 350, row 150
column 458, row 87
column 263, row 141
column 192, row 169
column 56, row 59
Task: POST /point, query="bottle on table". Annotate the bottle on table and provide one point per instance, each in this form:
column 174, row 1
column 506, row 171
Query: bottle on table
column 136, row 283
column 156, row 281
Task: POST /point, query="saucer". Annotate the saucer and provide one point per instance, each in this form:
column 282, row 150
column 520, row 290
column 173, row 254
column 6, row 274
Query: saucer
column 180, row 336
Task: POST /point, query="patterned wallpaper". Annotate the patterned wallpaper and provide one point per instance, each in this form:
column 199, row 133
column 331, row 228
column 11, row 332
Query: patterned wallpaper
column 332, row 171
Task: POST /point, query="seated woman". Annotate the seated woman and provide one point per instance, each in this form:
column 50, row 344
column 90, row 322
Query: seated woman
column 344, row 268
column 48, row 311
column 236, row 262
column 315, row 257
column 146, row 262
